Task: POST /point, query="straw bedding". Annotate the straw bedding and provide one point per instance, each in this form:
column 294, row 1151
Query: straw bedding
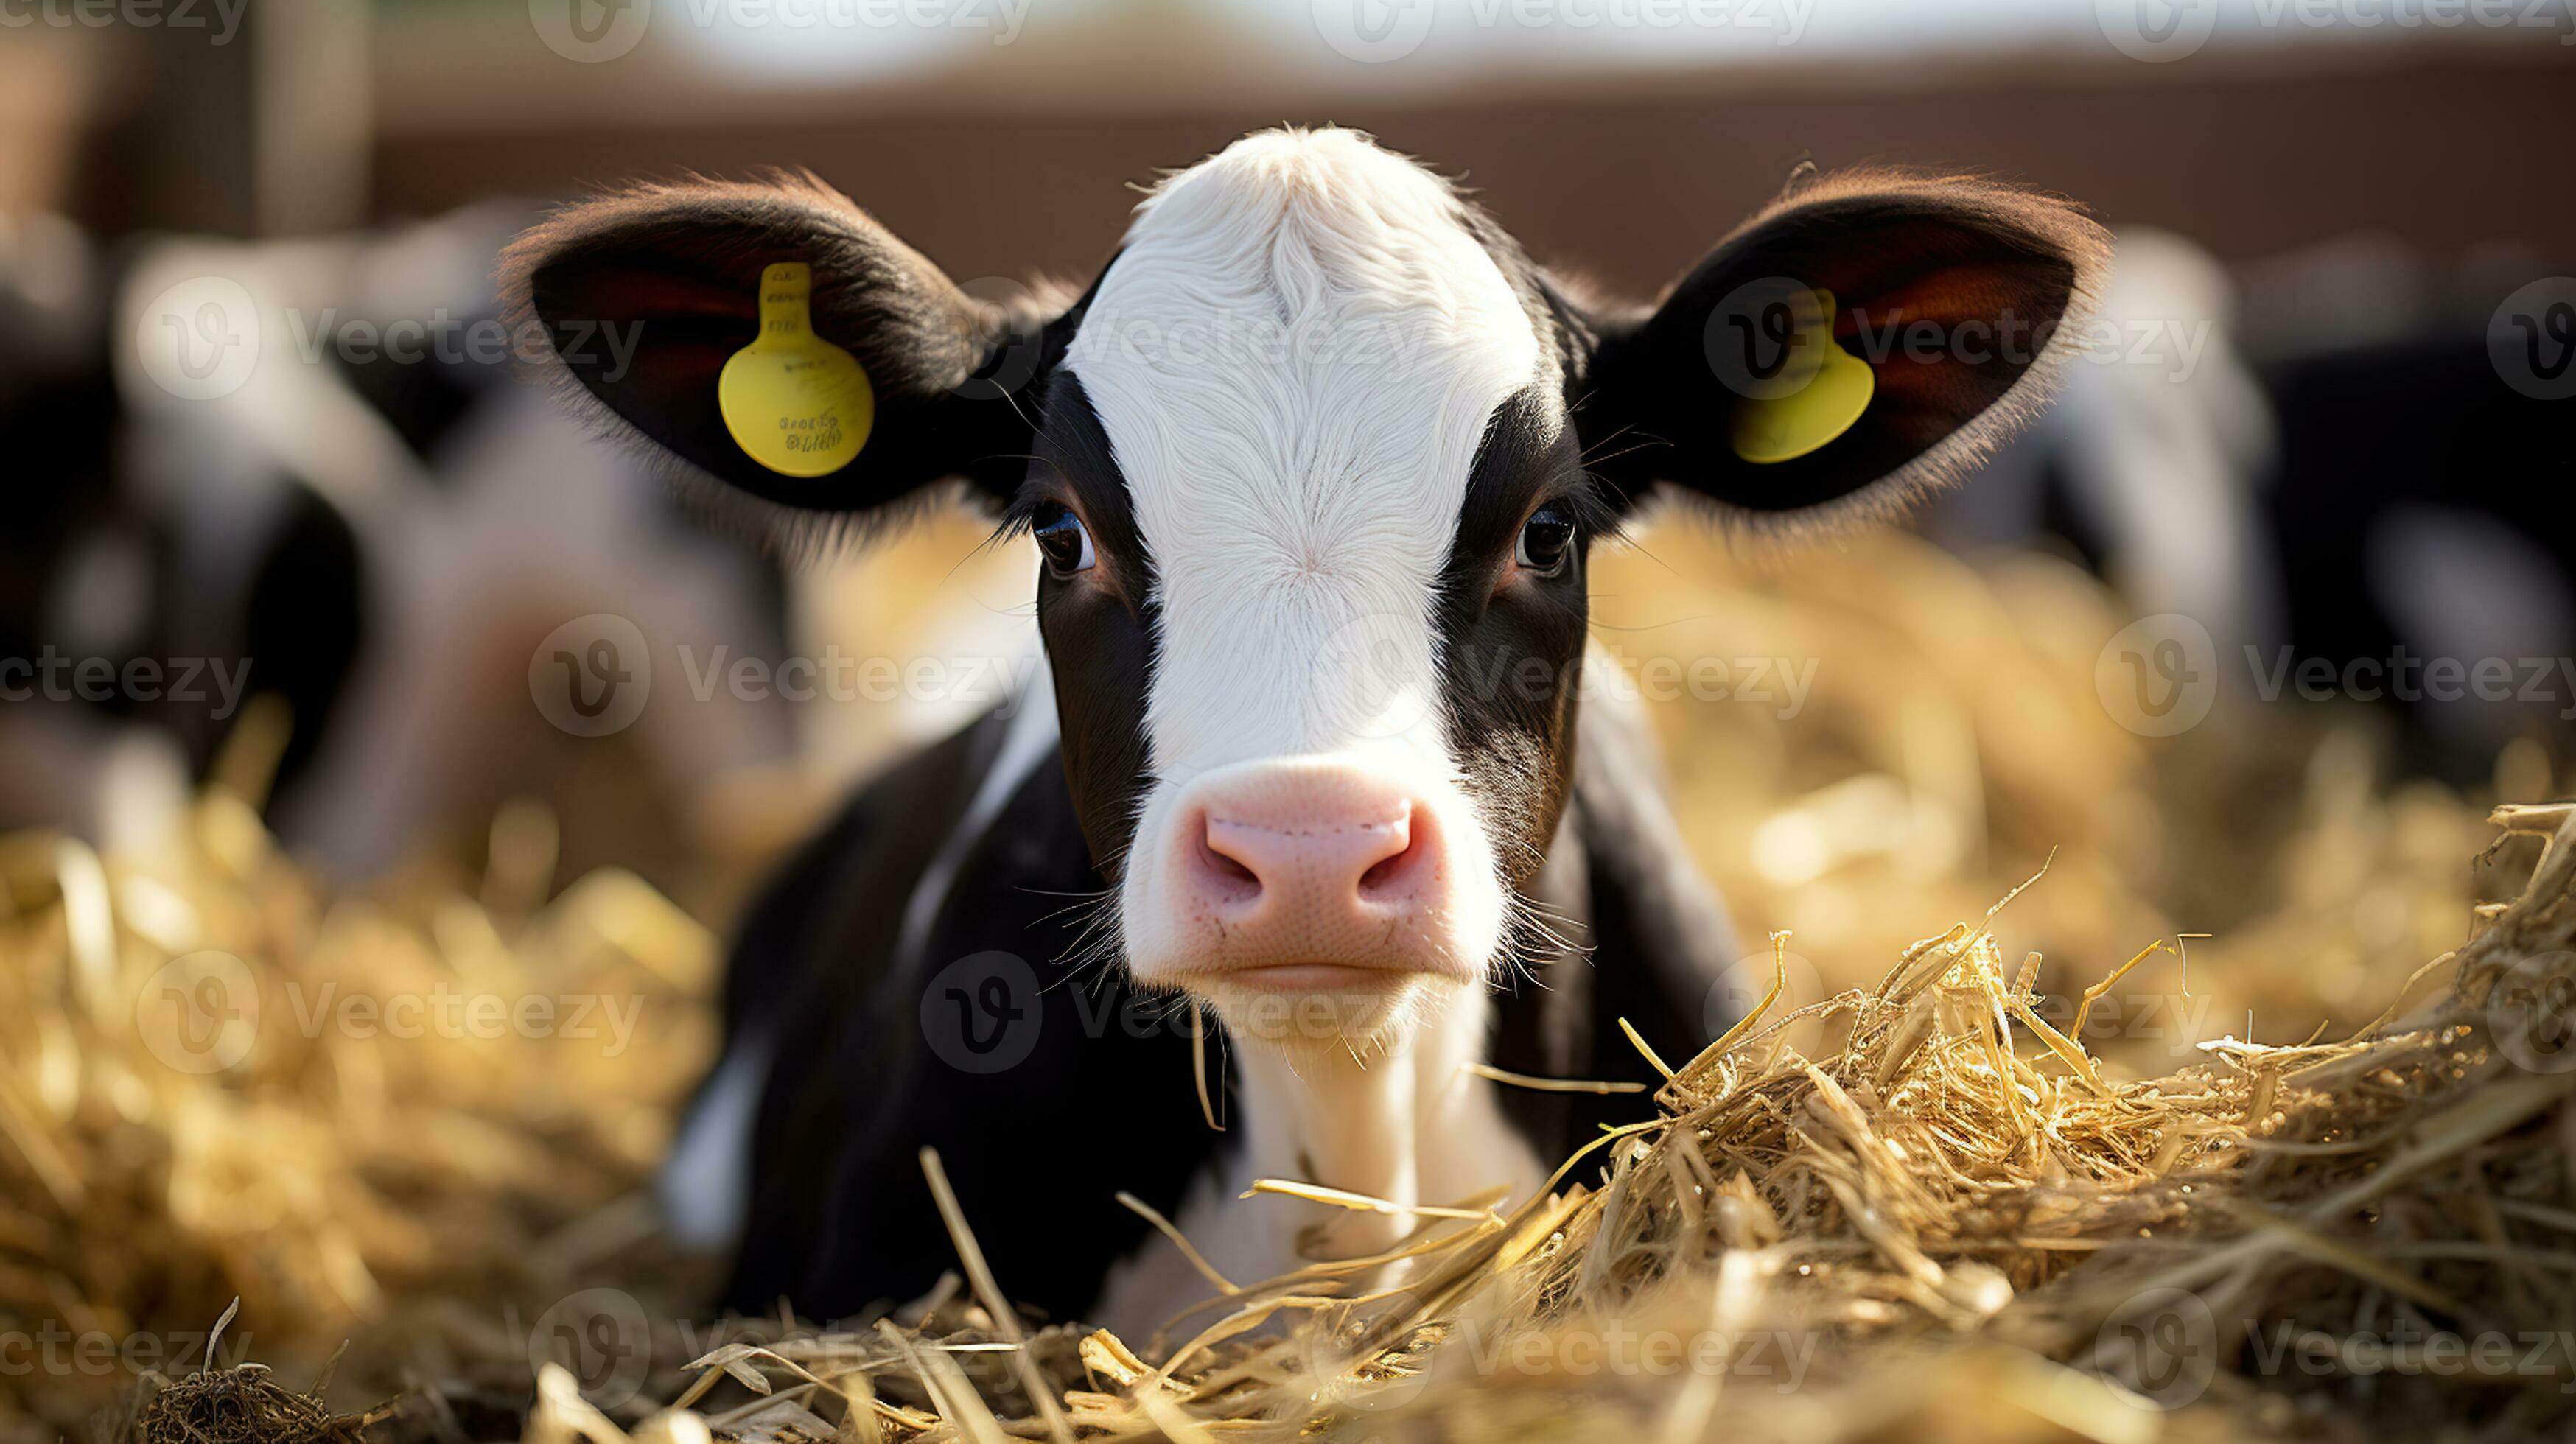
column 1950, row 1228
column 1916, row 1202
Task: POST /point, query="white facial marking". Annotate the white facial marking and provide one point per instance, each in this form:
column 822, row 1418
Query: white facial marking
column 1295, row 357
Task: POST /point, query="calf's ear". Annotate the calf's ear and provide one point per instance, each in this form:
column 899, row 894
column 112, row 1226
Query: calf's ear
column 1960, row 297
column 644, row 294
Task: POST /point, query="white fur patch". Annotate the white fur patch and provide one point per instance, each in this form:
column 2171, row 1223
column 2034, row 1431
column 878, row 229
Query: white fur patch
column 1295, row 357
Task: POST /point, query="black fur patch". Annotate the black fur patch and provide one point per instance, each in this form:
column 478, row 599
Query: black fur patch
column 877, row 1059
column 1099, row 639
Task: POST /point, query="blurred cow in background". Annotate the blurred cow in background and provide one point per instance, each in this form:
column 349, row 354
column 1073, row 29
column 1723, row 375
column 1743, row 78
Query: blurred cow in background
column 2205, row 459
column 374, row 526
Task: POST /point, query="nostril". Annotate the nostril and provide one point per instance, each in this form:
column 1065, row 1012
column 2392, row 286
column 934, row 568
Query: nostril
column 1396, row 872
column 1232, row 875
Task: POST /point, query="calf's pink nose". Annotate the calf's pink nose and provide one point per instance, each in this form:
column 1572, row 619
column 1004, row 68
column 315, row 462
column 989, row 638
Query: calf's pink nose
column 1311, row 864
column 1319, row 860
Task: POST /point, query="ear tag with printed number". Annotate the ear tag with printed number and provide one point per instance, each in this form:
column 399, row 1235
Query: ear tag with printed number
column 1828, row 390
column 795, row 402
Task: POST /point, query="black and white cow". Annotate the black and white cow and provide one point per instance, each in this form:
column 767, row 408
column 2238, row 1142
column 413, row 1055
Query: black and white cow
column 1315, row 465
column 2318, row 459
column 354, row 530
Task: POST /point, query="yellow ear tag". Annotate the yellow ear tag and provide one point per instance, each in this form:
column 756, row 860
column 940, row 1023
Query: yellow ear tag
column 1835, row 393
column 795, row 402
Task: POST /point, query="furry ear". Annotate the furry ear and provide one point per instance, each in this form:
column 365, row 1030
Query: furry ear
column 1961, row 296
column 646, row 292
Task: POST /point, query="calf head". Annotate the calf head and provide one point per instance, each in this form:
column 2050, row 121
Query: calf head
column 1315, row 467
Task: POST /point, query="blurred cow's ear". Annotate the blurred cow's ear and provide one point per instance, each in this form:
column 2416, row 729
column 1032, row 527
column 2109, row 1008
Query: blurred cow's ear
column 1960, row 297
column 645, row 293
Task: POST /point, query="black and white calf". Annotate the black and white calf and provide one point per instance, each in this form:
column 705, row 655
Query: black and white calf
column 1315, row 466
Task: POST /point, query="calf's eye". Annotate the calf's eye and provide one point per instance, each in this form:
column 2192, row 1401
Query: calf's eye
column 1547, row 539
column 1061, row 537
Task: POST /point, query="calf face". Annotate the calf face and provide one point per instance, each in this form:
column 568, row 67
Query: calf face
column 1315, row 466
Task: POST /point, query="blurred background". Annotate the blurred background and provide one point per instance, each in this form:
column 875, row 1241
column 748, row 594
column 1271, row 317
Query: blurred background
column 2239, row 644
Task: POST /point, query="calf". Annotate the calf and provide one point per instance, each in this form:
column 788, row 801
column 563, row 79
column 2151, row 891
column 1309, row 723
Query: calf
column 1314, row 466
